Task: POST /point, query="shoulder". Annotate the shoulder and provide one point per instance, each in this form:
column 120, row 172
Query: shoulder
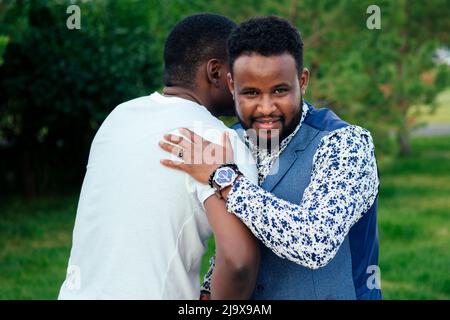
column 324, row 119
column 132, row 104
column 351, row 144
column 335, row 130
column 125, row 113
column 349, row 136
column 236, row 126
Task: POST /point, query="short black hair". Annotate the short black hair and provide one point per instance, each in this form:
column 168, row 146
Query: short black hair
column 194, row 40
column 267, row 36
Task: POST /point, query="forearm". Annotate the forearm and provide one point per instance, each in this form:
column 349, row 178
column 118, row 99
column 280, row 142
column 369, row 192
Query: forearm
column 237, row 254
column 230, row 281
column 221, row 279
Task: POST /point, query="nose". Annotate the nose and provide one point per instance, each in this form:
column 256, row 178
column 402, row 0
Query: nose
column 266, row 105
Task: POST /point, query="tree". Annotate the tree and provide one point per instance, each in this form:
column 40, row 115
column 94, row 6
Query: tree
column 58, row 85
column 371, row 77
column 374, row 77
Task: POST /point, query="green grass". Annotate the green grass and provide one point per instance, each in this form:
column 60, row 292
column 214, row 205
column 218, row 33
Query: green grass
column 35, row 238
column 414, row 221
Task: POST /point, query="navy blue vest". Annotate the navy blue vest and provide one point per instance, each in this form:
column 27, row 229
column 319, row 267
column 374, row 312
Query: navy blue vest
column 347, row 274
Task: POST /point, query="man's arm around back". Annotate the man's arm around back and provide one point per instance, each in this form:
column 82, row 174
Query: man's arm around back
column 237, row 253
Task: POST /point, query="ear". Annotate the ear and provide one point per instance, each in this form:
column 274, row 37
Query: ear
column 230, row 84
column 213, row 71
column 304, row 80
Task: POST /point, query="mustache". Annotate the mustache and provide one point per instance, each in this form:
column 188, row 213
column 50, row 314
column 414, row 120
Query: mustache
column 268, row 117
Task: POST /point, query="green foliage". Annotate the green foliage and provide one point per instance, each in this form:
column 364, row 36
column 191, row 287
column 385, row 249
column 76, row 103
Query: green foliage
column 58, row 85
column 3, row 42
column 373, row 77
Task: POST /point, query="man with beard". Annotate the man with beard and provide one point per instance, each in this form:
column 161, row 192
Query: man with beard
column 314, row 209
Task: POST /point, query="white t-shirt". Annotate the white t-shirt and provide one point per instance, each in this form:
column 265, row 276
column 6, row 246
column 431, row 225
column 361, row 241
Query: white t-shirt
column 141, row 230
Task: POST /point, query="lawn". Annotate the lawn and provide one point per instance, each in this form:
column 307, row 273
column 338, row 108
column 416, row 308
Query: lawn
column 35, row 239
column 414, row 221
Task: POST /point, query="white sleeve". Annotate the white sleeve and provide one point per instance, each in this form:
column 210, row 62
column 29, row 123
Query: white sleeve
column 243, row 159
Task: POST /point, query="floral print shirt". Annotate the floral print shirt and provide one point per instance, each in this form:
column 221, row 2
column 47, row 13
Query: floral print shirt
column 344, row 184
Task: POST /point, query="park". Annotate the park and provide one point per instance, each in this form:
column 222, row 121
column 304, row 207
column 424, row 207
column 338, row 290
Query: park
column 58, row 85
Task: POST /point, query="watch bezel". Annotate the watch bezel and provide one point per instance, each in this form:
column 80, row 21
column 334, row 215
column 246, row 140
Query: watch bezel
column 219, row 186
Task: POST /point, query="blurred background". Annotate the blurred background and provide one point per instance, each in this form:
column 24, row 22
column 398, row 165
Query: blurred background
column 57, row 85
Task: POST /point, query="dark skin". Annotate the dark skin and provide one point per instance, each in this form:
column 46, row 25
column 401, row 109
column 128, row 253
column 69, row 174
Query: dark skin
column 209, row 88
column 268, row 93
column 237, row 255
column 237, row 252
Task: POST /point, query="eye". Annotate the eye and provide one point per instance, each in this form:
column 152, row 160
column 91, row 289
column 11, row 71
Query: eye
column 250, row 93
column 280, row 90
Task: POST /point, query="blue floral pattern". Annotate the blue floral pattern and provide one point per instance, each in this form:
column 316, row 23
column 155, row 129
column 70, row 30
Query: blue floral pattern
column 344, row 185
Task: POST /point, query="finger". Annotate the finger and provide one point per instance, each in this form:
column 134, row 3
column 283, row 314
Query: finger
column 197, row 142
column 173, row 138
column 179, row 140
column 229, row 156
column 178, row 165
column 226, row 142
column 191, row 135
column 175, row 150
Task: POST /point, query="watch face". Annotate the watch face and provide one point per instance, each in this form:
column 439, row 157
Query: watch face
column 224, row 176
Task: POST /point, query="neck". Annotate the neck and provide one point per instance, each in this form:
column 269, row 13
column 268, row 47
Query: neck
column 184, row 93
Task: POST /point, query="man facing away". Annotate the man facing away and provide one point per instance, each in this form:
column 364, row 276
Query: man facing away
column 314, row 208
column 141, row 229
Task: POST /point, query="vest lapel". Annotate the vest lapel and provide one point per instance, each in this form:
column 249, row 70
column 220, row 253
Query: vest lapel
column 287, row 158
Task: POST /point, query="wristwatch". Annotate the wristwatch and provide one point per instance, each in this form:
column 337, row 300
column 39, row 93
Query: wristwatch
column 224, row 176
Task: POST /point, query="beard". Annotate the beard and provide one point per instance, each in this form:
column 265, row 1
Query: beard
column 272, row 143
